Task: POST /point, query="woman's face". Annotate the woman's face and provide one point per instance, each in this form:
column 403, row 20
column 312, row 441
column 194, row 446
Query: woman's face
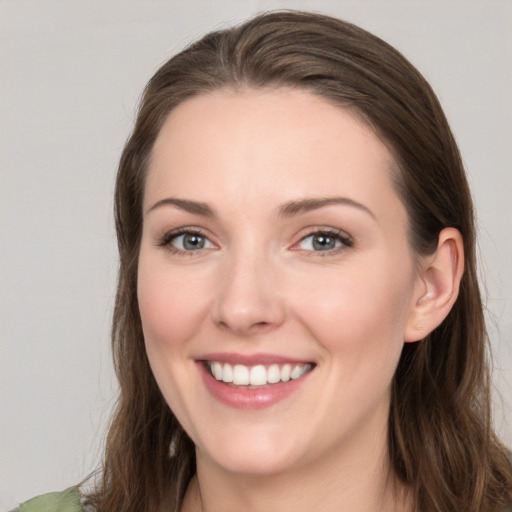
column 275, row 279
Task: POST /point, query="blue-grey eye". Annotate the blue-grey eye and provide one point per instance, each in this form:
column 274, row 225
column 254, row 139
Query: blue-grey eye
column 190, row 242
column 320, row 242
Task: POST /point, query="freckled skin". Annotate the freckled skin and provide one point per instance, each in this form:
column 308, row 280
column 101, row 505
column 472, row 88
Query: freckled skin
column 257, row 286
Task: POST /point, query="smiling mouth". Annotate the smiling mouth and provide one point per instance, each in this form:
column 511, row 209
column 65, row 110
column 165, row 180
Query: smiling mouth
column 256, row 376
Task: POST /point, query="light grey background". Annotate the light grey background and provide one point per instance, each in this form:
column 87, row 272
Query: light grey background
column 71, row 73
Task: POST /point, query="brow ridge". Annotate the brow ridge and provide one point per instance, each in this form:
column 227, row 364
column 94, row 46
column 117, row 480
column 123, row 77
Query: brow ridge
column 301, row 206
column 289, row 209
column 195, row 207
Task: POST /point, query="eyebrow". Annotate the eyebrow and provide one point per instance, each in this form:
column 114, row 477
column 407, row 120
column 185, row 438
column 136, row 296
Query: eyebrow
column 289, row 209
column 194, row 207
column 306, row 205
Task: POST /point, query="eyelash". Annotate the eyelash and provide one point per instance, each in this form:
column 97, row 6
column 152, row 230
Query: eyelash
column 166, row 240
column 345, row 240
column 339, row 236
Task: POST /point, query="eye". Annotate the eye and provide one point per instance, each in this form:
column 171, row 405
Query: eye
column 189, row 242
column 324, row 241
column 185, row 241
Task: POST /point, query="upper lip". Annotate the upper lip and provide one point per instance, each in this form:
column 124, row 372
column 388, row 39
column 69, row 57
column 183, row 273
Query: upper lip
column 251, row 359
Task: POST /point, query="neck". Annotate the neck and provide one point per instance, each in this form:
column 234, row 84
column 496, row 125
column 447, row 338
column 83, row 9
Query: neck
column 360, row 480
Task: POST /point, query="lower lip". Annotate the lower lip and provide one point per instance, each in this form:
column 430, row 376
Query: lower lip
column 245, row 398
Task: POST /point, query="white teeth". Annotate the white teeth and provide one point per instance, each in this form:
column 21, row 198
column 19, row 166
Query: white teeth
column 217, row 371
column 259, row 375
column 240, row 375
column 297, row 371
column 227, row 373
column 286, row 372
column 273, row 374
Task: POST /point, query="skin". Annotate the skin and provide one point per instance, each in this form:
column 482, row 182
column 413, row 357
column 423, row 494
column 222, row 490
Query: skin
column 258, row 285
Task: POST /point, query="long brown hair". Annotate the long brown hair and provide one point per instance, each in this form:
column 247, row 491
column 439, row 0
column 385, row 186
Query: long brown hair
column 441, row 443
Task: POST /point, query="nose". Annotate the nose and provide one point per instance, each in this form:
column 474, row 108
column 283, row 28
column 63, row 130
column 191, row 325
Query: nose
column 249, row 299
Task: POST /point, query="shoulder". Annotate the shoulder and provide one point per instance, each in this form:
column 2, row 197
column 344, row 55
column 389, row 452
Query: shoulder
column 65, row 501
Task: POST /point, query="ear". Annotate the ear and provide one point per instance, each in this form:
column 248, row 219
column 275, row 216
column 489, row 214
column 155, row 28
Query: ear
column 437, row 286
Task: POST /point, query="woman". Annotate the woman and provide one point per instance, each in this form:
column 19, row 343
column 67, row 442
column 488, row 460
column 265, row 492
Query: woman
column 298, row 321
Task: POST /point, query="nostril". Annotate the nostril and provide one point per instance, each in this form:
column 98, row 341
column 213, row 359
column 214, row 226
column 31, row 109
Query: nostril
column 261, row 324
column 244, row 327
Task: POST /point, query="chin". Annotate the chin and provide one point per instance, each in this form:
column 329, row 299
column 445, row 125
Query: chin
column 253, row 455
column 255, row 464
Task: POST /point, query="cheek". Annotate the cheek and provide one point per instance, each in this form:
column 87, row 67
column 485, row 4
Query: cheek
column 357, row 311
column 171, row 312
column 171, row 308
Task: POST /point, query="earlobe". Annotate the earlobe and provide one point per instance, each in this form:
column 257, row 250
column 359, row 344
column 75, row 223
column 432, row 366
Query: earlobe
column 437, row 286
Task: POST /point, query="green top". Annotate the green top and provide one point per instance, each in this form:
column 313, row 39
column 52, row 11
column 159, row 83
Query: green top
column 65, row 501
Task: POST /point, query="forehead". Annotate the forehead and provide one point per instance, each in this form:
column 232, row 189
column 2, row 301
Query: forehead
column 289, row 114
column 264, row 144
